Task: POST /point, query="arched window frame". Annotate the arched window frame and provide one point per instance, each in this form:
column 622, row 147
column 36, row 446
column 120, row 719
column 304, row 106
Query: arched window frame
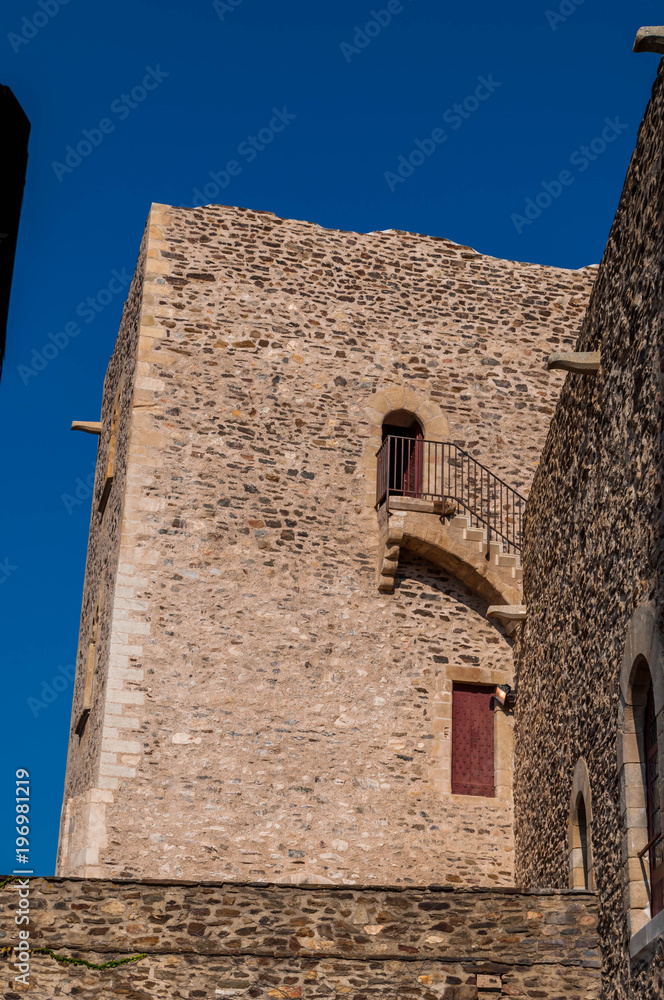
column 580, row 854
column 643, row 666
column 434, row 424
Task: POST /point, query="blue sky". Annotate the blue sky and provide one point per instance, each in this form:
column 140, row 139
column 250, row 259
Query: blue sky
column 179, row 89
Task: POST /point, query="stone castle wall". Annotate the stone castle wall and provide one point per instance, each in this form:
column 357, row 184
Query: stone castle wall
column 268, row 714
column 84, row 800
column 204, row 940
column 593, row 568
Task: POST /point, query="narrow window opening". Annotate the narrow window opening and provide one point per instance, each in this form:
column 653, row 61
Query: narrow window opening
column 583, row 839
column 473, row 741
column 112, row 449
column 90, row 669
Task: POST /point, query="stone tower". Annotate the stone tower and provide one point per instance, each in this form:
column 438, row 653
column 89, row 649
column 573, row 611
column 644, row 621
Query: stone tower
column 267, row 660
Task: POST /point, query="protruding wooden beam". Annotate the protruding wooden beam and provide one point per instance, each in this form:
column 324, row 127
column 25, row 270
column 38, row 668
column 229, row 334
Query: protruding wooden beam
column 508, row 612
column 650, row 40
column 574, row 361
column 89, row 426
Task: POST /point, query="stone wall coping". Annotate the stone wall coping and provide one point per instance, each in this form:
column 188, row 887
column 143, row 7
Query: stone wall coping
column 308, row 886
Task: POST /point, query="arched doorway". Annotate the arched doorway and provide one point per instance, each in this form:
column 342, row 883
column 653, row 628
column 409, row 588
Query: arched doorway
column 405, row 453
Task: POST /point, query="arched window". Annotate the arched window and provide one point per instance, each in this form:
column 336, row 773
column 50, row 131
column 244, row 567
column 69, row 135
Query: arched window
column 403, row 454
column 640, row 767
column 580, row 830
column 655, row 838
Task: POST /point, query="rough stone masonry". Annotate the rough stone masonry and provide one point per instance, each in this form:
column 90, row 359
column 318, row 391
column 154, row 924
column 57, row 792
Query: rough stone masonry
column 201, row 940
column 593, row 585
column 258, row 710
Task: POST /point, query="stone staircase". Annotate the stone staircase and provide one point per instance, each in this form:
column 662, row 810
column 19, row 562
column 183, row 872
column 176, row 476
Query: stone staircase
column 476, row 538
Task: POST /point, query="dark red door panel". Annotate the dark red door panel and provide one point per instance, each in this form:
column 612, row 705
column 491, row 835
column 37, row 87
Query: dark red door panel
column 472, row 740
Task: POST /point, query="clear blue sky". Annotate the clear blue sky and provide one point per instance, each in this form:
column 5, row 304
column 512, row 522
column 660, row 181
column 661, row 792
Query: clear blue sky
column 551, row 83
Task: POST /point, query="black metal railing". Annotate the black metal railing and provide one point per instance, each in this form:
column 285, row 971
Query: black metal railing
column 438, row 470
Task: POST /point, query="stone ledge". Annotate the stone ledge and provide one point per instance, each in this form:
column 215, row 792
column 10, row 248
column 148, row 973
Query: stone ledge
column 583, row 363
column 644, row 943
column 649, row 39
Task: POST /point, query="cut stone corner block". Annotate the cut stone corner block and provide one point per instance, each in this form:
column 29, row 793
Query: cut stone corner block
column 89, row 426
column 389, row 560
column 507, row 612
column 574, row 361
column 650, row 40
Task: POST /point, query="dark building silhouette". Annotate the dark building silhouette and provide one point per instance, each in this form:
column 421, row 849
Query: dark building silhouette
column 16, row 132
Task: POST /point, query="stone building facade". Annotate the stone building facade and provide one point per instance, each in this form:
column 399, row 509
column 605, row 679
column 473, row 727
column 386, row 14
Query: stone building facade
column 262, row 798
column 590, row 668
column 266, row 663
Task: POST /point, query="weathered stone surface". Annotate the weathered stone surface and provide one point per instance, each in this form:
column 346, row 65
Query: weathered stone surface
column 593, row 578
column 650, row 39
column 261, row 710
column 268, row 940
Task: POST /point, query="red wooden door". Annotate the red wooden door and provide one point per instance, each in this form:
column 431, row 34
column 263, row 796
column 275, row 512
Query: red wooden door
column 472, row 741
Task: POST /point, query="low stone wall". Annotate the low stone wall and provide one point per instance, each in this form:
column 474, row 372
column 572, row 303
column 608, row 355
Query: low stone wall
column 207, row 940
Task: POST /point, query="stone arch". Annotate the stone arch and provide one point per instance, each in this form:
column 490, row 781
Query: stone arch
column 580, row 852
column 434, row 424
column 642, row 666
column 442, row 546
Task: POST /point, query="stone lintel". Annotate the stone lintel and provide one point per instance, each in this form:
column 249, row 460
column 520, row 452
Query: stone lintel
column 89, row 426
column 650, row 40
column 574, row 361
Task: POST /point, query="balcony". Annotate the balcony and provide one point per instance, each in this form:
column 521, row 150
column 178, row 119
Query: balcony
column 440, row 478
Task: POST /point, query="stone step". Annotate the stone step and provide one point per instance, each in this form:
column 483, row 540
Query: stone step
column 495, row 551
column 507, row 559
column 475, row 534
column 458, row 523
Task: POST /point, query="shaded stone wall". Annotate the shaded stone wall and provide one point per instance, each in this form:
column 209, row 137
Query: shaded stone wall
column 84, row 802
column 201, row 940
column 593, row 557
column 269, row 715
